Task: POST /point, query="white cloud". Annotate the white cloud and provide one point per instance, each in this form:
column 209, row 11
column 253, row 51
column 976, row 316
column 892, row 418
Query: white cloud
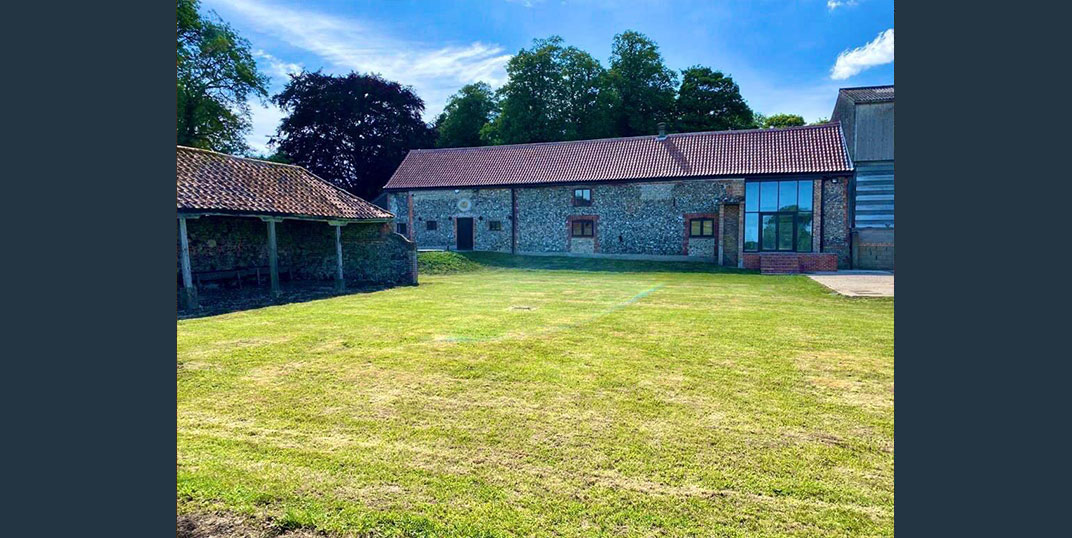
column 278, row 68
column 264, row 120
column 345, row 44
column 877, row 52
column 834, row 4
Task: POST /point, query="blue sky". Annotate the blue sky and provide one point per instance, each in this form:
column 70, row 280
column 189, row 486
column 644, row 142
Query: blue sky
column 787, row 56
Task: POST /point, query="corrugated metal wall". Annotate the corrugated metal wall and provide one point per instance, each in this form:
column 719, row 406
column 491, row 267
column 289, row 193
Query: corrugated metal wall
column 874, row 194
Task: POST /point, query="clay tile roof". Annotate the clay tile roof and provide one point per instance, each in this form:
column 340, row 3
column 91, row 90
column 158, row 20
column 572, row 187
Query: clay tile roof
column 210, row 181
column 869, row 94
column 811, row 149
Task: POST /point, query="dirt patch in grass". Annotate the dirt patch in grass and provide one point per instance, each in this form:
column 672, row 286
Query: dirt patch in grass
column 224, row 525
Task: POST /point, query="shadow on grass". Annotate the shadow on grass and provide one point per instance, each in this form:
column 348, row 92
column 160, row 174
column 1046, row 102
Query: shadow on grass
column 569, row 263
column 225, row 300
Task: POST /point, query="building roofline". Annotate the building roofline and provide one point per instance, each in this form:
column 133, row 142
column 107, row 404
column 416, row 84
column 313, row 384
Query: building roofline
column 344, row 192
column 865, row 87
column 230, row 156
column 668, row 136
column 657, row 179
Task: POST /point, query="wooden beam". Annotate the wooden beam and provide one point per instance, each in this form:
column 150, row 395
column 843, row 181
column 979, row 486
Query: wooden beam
column 721, row 230
column 273, row 257
column 340, row 282
column 188, row 289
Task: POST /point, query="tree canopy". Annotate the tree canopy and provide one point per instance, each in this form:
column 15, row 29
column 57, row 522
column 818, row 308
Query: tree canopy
column 710, row 101
column 553, row 93
column 644, row 86
column 783, row 120
column 465, row 115
column 352, row 130
column 216, row 76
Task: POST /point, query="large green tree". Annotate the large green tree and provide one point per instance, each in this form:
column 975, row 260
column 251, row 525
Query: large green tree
column 644, row 86
column 553, row 93
column 710, row 101
column 783, row 120
column 216, row 77
column 352, row 130
column 465, row 115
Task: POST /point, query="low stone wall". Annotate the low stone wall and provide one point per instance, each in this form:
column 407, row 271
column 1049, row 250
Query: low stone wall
column 372, row 253
column 872, row 248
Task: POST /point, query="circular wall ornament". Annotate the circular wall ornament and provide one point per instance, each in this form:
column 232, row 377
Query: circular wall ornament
column 464, row 204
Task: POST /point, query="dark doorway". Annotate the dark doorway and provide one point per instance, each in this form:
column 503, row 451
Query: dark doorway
column 465, row 233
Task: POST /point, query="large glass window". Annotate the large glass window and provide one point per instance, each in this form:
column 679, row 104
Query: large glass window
column 778, row 216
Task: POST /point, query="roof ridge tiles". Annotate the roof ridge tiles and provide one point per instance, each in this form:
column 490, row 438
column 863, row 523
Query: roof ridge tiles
column 625, row 138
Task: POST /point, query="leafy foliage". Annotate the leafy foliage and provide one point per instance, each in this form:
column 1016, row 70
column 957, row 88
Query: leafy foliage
column 216, row 76
column 710, row 101
column 553, row 93
column 643, row 85
column 783, row 120
column 352, row 130
column 465, row 115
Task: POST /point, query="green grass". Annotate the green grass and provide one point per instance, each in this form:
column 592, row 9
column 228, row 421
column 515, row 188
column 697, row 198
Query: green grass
column 444, row 263
column 548, row 396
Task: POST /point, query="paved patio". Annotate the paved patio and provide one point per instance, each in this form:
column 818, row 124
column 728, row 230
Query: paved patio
column 857, row 283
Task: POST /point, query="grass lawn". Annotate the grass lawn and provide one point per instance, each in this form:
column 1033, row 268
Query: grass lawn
column 547, row 396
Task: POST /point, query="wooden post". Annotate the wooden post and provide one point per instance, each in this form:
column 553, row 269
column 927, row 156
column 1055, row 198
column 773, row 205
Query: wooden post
column 340, row 281
column 721, row 231
column 188, row 289
column 273, row 257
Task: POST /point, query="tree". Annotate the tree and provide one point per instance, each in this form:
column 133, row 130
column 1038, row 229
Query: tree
column 216, row 76
column 553, row 93
column 710, row 101
column 643, row 84
column 783, row 120
column 465, row 115
column 352, row 130
column 587, row 97
column 820, row 121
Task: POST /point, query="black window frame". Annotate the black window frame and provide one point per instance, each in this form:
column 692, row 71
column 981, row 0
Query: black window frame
column 701, row 220
column 590, row 224
column 795, row 217
column 400, row 228
column 494, row 225
column 431, row 225
column 581, row 201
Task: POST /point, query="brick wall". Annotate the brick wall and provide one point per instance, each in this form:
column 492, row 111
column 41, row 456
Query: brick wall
column 835, row 220
column 791, row 262
column 641, row 218
column 306, row 249
column 443, row 206
column 872, row 248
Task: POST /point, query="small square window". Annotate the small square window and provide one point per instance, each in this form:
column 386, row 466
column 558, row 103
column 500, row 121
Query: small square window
column 702, row 228
column 583, row 228
column 431, row 225
column 401, row 228
column 582, row 197
column 495, row 225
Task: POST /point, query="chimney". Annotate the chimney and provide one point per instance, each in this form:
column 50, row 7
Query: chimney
column 662, row 131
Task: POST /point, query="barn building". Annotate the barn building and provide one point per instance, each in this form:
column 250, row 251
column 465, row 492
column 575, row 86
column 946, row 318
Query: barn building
column 866, row 116
column 771, row 199
column 244, row 222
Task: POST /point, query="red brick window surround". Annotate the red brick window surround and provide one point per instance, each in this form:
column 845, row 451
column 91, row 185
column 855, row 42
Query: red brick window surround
column 702, row 228
column 583, row 228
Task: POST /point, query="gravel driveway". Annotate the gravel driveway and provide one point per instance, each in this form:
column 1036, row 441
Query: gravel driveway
column 857, row 283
